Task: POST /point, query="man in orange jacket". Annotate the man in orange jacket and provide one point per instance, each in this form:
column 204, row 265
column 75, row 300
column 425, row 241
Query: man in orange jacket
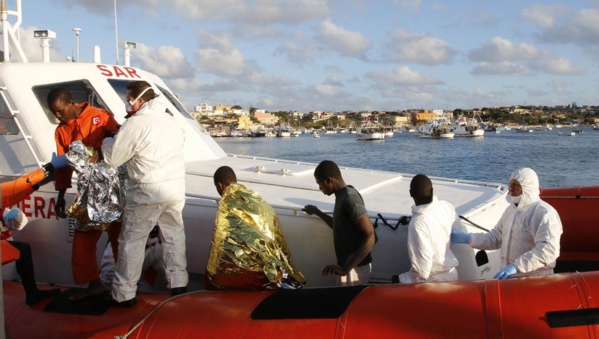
column 90, row 125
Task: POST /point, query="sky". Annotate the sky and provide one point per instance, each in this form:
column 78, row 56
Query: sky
column 337, row 55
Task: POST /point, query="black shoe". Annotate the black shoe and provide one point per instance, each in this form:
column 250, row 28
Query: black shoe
column 178, row 290
column 113, row 303
column 39, row 295
column 395, row 279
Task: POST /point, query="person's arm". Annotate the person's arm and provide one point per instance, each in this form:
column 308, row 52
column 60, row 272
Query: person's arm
column 311, row 209
column 491, row 240
column 365, row 227
column 59, row 208
column 547, row 232
column 62, row 176
column 120, row 149
column 420, row 250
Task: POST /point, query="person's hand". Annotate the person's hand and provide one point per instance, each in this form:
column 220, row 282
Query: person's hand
column 333, row 269
column 310, row 209
column 506, row 272
column 59, row 161
column 59, row 207
column 96, row 157
column 458, row 237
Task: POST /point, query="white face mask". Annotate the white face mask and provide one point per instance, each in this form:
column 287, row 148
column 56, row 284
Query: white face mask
column 512, row 199
column 132, row 103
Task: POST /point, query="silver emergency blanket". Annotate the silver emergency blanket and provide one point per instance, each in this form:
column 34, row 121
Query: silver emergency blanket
column 100, row 190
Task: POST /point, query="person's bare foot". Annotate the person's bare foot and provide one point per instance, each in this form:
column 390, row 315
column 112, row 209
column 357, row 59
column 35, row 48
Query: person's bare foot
column 94, row 288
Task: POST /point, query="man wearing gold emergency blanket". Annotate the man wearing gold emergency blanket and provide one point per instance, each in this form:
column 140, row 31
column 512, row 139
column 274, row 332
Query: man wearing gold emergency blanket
column 248, row 249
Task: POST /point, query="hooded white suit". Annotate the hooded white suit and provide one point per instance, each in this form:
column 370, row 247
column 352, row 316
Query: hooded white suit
column 428, row 243
column 527, row 233
column 150, row 142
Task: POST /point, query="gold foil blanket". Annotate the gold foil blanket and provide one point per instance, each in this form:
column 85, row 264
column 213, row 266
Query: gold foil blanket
column 248, row 249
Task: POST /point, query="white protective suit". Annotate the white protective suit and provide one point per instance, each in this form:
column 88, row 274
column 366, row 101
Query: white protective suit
column 428, row 243
column 528, row 234
column 150, row 142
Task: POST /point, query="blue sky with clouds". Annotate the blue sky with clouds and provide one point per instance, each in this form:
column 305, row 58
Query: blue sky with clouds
column 342, row 54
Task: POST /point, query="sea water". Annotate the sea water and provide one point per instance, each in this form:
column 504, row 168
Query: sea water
column 560, row 161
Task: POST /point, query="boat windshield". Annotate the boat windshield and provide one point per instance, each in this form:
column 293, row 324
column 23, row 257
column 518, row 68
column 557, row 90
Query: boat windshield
column 81, row 90
column 120, row 87
column 8, row 126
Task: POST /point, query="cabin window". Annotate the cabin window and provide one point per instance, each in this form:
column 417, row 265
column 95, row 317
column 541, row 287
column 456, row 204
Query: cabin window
column 120, row 87
column 81, row 90
column 8, row 126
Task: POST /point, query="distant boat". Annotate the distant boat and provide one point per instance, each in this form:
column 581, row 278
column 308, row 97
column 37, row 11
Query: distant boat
column 370, row 132
column 566, row 134
column 283, row 132
column 596, row 127
column 438, row 129
column 524, row 130
column 468, row 127
column 578, row 131
column 316, row 134
column 388, row 133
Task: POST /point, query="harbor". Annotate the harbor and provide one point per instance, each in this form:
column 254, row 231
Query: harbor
column 559, row 161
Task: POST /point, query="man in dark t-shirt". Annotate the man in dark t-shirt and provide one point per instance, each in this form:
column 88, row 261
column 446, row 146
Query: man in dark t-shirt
column 353, row 233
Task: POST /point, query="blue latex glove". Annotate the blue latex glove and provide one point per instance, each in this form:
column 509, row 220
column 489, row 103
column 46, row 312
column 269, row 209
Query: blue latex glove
column 11, row 215
column 458, row 237
column 506, row 272
column 59, row 161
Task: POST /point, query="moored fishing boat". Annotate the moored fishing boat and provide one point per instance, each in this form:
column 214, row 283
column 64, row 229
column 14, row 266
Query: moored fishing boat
column 468, row 127
column 438, row 129
column 370, row 132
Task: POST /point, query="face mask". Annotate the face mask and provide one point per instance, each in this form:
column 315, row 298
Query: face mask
column 130, row 109
column 513, row 200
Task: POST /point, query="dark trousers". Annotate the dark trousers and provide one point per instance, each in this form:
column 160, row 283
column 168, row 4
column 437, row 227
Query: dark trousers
column 24, row 266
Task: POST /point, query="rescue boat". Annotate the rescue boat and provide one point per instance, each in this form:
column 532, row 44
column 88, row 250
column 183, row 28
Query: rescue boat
column 473, row 306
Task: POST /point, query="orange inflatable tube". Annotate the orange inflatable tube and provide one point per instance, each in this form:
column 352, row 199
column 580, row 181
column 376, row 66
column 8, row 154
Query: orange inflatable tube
column 556, row 306
column 9, row 252
column 578, row 210
column 16, row 190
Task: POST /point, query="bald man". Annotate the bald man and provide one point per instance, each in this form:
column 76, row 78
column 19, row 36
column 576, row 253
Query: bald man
column 429, row 231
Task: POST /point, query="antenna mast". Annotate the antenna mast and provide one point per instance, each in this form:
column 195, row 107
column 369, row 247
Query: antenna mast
column 116, row 34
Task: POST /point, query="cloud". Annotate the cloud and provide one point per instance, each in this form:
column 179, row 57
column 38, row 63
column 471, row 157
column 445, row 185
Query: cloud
column 544, row 15
column 410, row 4
column 297, row 54
column 500, row 56
column 94, row 6
column 164, row 61
column 499, row 49
column 581, row 28
column 218, row 55
column 403, row 76
column 557, row 65
column 419, row 49
column 500, row 68
column 343, row 41
column 560, row 87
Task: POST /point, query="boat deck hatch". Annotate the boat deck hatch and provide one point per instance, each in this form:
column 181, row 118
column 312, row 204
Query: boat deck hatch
column 307, row 303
